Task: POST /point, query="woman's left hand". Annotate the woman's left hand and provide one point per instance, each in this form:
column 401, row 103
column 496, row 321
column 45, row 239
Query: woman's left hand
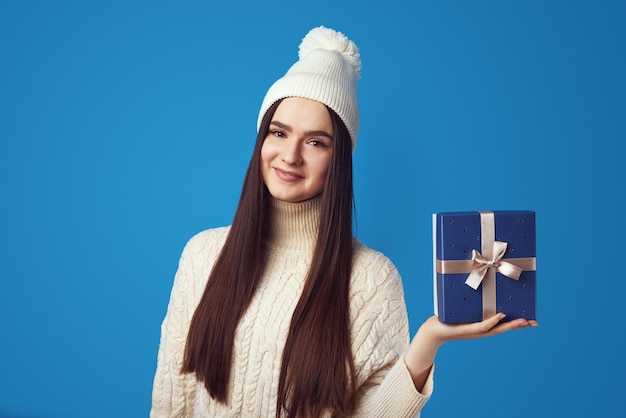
column 433, row 333
column 440, row 333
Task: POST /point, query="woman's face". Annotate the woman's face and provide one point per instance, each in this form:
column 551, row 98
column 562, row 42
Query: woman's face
column 296, row 152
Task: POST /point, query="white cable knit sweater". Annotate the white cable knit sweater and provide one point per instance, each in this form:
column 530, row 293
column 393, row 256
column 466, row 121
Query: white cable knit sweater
column 379, row 327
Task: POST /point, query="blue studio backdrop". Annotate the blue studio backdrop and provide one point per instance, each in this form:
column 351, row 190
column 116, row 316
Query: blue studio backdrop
column 126, row 127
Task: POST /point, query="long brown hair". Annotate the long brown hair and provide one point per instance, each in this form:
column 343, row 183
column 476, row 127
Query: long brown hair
column 317, row 371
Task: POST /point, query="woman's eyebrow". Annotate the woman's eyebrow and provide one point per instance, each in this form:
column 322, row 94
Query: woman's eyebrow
column 287, row 128
column 319, row 133
column 281, row 125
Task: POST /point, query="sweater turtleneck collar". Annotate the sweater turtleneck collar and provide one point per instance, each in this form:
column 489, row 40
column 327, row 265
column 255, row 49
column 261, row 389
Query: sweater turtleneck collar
column 294, row 226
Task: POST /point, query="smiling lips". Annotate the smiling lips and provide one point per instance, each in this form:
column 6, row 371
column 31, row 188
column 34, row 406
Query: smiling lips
column 288, row 176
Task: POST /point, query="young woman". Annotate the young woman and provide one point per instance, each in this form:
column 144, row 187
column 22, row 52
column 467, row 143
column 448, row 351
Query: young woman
column 284, row 313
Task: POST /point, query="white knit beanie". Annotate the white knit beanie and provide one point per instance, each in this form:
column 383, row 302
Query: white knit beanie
column 328, row 71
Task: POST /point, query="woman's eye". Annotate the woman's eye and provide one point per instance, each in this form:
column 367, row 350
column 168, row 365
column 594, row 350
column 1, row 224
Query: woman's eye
column 317, row 143
column 278, row 133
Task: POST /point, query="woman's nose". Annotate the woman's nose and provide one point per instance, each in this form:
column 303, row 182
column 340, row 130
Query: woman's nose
column 292, row 154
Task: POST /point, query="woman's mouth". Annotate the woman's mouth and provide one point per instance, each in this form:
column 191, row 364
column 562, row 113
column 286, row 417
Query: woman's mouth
column 288, row 176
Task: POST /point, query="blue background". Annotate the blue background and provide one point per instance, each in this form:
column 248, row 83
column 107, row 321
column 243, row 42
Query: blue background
column 126, row 127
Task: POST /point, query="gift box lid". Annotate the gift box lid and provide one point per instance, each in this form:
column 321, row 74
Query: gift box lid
column 456, row 234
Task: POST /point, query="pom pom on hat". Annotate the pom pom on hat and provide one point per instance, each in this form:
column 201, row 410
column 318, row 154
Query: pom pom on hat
column 327, row 71
column 328, row 39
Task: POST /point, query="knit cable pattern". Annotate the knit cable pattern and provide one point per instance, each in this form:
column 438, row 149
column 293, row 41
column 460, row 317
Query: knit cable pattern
column 379, row 331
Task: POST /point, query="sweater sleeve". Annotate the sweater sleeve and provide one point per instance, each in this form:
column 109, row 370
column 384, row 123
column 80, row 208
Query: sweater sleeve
column 390, row 392
column 173, row 393
column 380, row 338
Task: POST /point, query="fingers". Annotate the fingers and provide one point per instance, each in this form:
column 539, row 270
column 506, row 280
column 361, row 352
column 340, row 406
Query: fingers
column 522, row 323
column 493, row 326
column 484, row 327
column 492, row 321
column 519, row 323
column 441, row 333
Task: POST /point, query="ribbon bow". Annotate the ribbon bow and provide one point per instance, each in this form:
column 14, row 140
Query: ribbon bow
column 481, row 264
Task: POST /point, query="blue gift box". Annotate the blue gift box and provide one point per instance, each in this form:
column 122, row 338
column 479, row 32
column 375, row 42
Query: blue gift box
column 484, row 262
